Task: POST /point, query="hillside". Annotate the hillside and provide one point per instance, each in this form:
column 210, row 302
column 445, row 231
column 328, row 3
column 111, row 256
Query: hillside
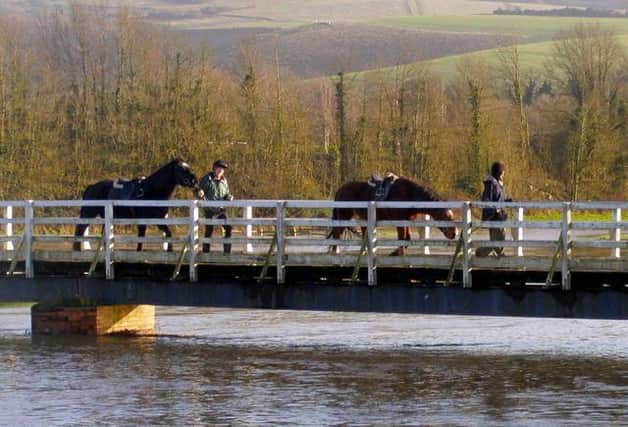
column 324, row 49
column 532, row 57
column 598, row 4
column 533, row 28
column 196, row 14
column 322, row 37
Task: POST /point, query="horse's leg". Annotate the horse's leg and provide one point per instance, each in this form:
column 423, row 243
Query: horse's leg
column 403, row 233
column 336, row 232
column 406, row 236
column 141, row 233
column 166, row 230
column 79, row 230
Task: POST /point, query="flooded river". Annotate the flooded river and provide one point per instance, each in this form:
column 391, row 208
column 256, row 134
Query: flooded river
column 253, row 367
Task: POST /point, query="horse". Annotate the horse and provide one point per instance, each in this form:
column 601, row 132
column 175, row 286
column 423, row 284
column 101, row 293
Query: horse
column 401, row 190
column 158, row 186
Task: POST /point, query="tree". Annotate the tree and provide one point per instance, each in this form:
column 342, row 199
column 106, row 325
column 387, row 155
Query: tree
column 586, row 64
column 511, row 72
column 473, row 78
column 344, row 142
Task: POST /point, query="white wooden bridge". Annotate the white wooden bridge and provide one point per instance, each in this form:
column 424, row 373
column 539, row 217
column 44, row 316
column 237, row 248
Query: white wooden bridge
column 293, row 233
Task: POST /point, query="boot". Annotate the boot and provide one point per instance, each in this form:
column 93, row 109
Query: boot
column 205, row 247
column 227, row 248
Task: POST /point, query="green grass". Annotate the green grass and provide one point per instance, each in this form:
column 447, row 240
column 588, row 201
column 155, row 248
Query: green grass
column 5, row 305
column 534, row 28
column 532, row 57
column 576, row 216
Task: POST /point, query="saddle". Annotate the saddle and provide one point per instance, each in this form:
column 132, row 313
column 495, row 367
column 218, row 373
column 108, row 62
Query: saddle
column 127, row 189
column 380, row 187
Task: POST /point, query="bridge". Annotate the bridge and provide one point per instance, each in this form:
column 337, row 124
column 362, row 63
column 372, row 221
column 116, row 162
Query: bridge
column 563, row 266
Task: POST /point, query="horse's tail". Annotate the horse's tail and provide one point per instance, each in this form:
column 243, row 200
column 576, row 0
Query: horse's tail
column 335, row 215
column 87, row 192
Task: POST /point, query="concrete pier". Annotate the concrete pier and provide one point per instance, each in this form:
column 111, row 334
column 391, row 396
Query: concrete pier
column 93, row 320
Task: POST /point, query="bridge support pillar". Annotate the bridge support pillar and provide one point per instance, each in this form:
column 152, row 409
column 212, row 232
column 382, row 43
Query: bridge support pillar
column 93, row 320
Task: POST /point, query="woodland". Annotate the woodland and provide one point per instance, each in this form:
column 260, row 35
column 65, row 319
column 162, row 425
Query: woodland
column 86, row 95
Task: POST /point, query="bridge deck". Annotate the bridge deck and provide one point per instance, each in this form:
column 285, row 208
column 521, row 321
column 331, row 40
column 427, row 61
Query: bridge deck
column 288, row 235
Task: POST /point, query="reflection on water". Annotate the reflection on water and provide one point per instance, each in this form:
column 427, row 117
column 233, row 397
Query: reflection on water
column 255, row 367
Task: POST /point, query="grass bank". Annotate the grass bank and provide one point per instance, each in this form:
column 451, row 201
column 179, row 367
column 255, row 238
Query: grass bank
column 534, row 28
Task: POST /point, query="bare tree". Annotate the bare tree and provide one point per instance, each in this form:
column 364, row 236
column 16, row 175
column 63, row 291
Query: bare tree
column 586, row 64
column 511, row 72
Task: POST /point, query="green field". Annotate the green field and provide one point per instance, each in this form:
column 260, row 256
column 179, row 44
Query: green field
column 532, row 57
column 7, row 305
column 534, row 28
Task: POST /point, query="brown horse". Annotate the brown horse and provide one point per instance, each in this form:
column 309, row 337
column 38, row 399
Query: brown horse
column 402, row 190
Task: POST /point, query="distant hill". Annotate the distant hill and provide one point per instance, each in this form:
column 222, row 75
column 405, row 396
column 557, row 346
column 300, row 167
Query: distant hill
column 277, row 13
column 321, row 37
column 532, row 57
column 533, row 28
column 564, row 12
column 597, row 4
column 324, row 49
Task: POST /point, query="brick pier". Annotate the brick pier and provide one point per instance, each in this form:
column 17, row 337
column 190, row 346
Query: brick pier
column 94, row 320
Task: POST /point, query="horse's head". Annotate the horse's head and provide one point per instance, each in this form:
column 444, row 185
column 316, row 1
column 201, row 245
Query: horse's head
column 446, row 215
column 421, row 193
column 183, row 174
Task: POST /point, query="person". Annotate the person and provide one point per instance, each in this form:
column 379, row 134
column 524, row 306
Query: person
column 214, row 186
column 494, row 192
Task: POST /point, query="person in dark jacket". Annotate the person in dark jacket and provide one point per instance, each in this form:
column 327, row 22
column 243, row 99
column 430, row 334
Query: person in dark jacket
column 494, row 192
column 214, row 186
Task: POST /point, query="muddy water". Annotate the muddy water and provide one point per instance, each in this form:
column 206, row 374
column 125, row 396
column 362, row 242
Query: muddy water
column 247, row 367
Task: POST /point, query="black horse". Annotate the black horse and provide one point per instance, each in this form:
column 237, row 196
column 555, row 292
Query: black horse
column 157, row 186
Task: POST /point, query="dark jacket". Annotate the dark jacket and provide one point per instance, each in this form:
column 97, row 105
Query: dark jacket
column 494, row 192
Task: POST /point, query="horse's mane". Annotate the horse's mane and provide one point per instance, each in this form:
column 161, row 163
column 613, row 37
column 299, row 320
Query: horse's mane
column 423, row 193
column 180, row 161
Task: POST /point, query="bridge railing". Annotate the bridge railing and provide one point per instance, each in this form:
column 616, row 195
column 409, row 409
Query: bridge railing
column 296, row 232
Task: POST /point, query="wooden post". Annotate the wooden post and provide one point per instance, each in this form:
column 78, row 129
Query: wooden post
column 565, row 246
column 248, row 229
column 28, row 239
column 281, row 242
column 193, row 238
column 8, row 227
column 164, row 245
column 86, row 245
column 518, row 234
column 616, row 234
column 426, row 236
column 371, row 232
column 466, row 237
column 108, row 239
